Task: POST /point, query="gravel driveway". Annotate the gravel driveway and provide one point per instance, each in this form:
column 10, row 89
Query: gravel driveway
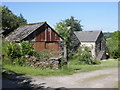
column 106, row 78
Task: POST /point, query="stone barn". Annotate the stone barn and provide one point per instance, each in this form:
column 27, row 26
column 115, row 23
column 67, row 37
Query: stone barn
column 95, row 40
column 41, row 35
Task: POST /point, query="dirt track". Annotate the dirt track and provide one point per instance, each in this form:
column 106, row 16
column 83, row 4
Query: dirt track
column 106, row 78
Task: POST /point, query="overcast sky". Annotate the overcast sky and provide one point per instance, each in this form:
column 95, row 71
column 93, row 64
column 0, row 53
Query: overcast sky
column 93, row 15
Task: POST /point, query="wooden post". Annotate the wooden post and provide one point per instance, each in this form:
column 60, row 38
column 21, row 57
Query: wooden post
column 65, row 54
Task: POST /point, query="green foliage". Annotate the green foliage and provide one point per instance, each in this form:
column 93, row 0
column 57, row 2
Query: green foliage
column 65, row 28
column 20, row 61
column 115, row 54
column 83, row 56
column 14, row 52
column 11, row 49
column 36, row 54
column 74, row 24
column 46, row 55
column 11, row 21
column 113, row 45
column 107, row 35
column 26, row 48
column 118, row 59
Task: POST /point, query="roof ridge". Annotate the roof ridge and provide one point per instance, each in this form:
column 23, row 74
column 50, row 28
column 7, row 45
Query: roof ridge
column 88, row 31
column 36, row 23
column 32, row 24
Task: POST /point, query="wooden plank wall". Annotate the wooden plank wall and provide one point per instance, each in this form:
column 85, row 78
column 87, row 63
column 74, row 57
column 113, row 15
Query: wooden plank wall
column 47, row 35
column 47, row 40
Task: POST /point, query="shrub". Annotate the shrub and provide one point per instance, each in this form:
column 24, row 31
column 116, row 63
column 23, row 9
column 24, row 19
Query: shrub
column 83, row 56
column 113, row 45
column 26, row 48
column 12, row 50
column 36, row 54
column 115, row 54
column 20, row 61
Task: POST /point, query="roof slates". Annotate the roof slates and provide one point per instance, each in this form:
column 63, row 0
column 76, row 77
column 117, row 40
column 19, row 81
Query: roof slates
column 23, row 31
column 87, row 36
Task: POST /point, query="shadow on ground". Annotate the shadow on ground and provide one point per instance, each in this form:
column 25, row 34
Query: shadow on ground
column 12, row 80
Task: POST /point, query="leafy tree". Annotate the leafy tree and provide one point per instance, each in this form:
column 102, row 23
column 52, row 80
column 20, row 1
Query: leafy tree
column 107, row 35
column 113, row 44
column 11, row 21
column 66, row 28
column 74, row 24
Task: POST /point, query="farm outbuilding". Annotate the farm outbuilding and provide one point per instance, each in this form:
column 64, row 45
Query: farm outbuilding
column 41, row 35
column 95, row 40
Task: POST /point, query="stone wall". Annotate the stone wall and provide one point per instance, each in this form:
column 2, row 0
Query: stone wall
column 43, row 63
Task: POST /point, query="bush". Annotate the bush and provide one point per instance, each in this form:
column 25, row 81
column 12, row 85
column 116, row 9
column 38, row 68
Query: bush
column 36, row 54
column 83, row 56
column 20, row 61
column 26, row 48
column 14, row 52
column 113, row 45
column 115, row 54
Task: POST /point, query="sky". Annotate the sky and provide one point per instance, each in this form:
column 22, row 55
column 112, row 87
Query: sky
column 93, row 15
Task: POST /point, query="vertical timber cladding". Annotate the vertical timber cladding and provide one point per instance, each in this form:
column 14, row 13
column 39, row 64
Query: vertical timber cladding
column 47, row 40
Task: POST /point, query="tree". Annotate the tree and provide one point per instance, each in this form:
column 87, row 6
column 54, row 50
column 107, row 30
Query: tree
column 11, row 21
column 74, row 24
column 66, row 28
column 113, row 44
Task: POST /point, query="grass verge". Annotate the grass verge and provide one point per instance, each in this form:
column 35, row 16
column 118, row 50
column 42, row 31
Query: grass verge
column 35, row 71
column 86, row 68
column 70, row 69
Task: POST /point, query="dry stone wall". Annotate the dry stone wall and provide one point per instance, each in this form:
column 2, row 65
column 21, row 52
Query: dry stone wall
column 43, row 63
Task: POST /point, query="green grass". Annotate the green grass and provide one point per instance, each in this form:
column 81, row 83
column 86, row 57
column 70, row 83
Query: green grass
column 35, row 71
column 86, row 68
column 72, row 68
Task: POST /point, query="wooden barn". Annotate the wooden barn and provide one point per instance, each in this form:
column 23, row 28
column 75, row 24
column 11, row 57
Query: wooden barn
column 41, row 35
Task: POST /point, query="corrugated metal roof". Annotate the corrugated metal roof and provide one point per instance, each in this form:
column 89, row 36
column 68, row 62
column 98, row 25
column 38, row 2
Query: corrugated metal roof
column 87, row 36
column 23, row 31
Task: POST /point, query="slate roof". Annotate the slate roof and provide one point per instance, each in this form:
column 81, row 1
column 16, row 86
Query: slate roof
column 23, row 31
column 87, row 36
